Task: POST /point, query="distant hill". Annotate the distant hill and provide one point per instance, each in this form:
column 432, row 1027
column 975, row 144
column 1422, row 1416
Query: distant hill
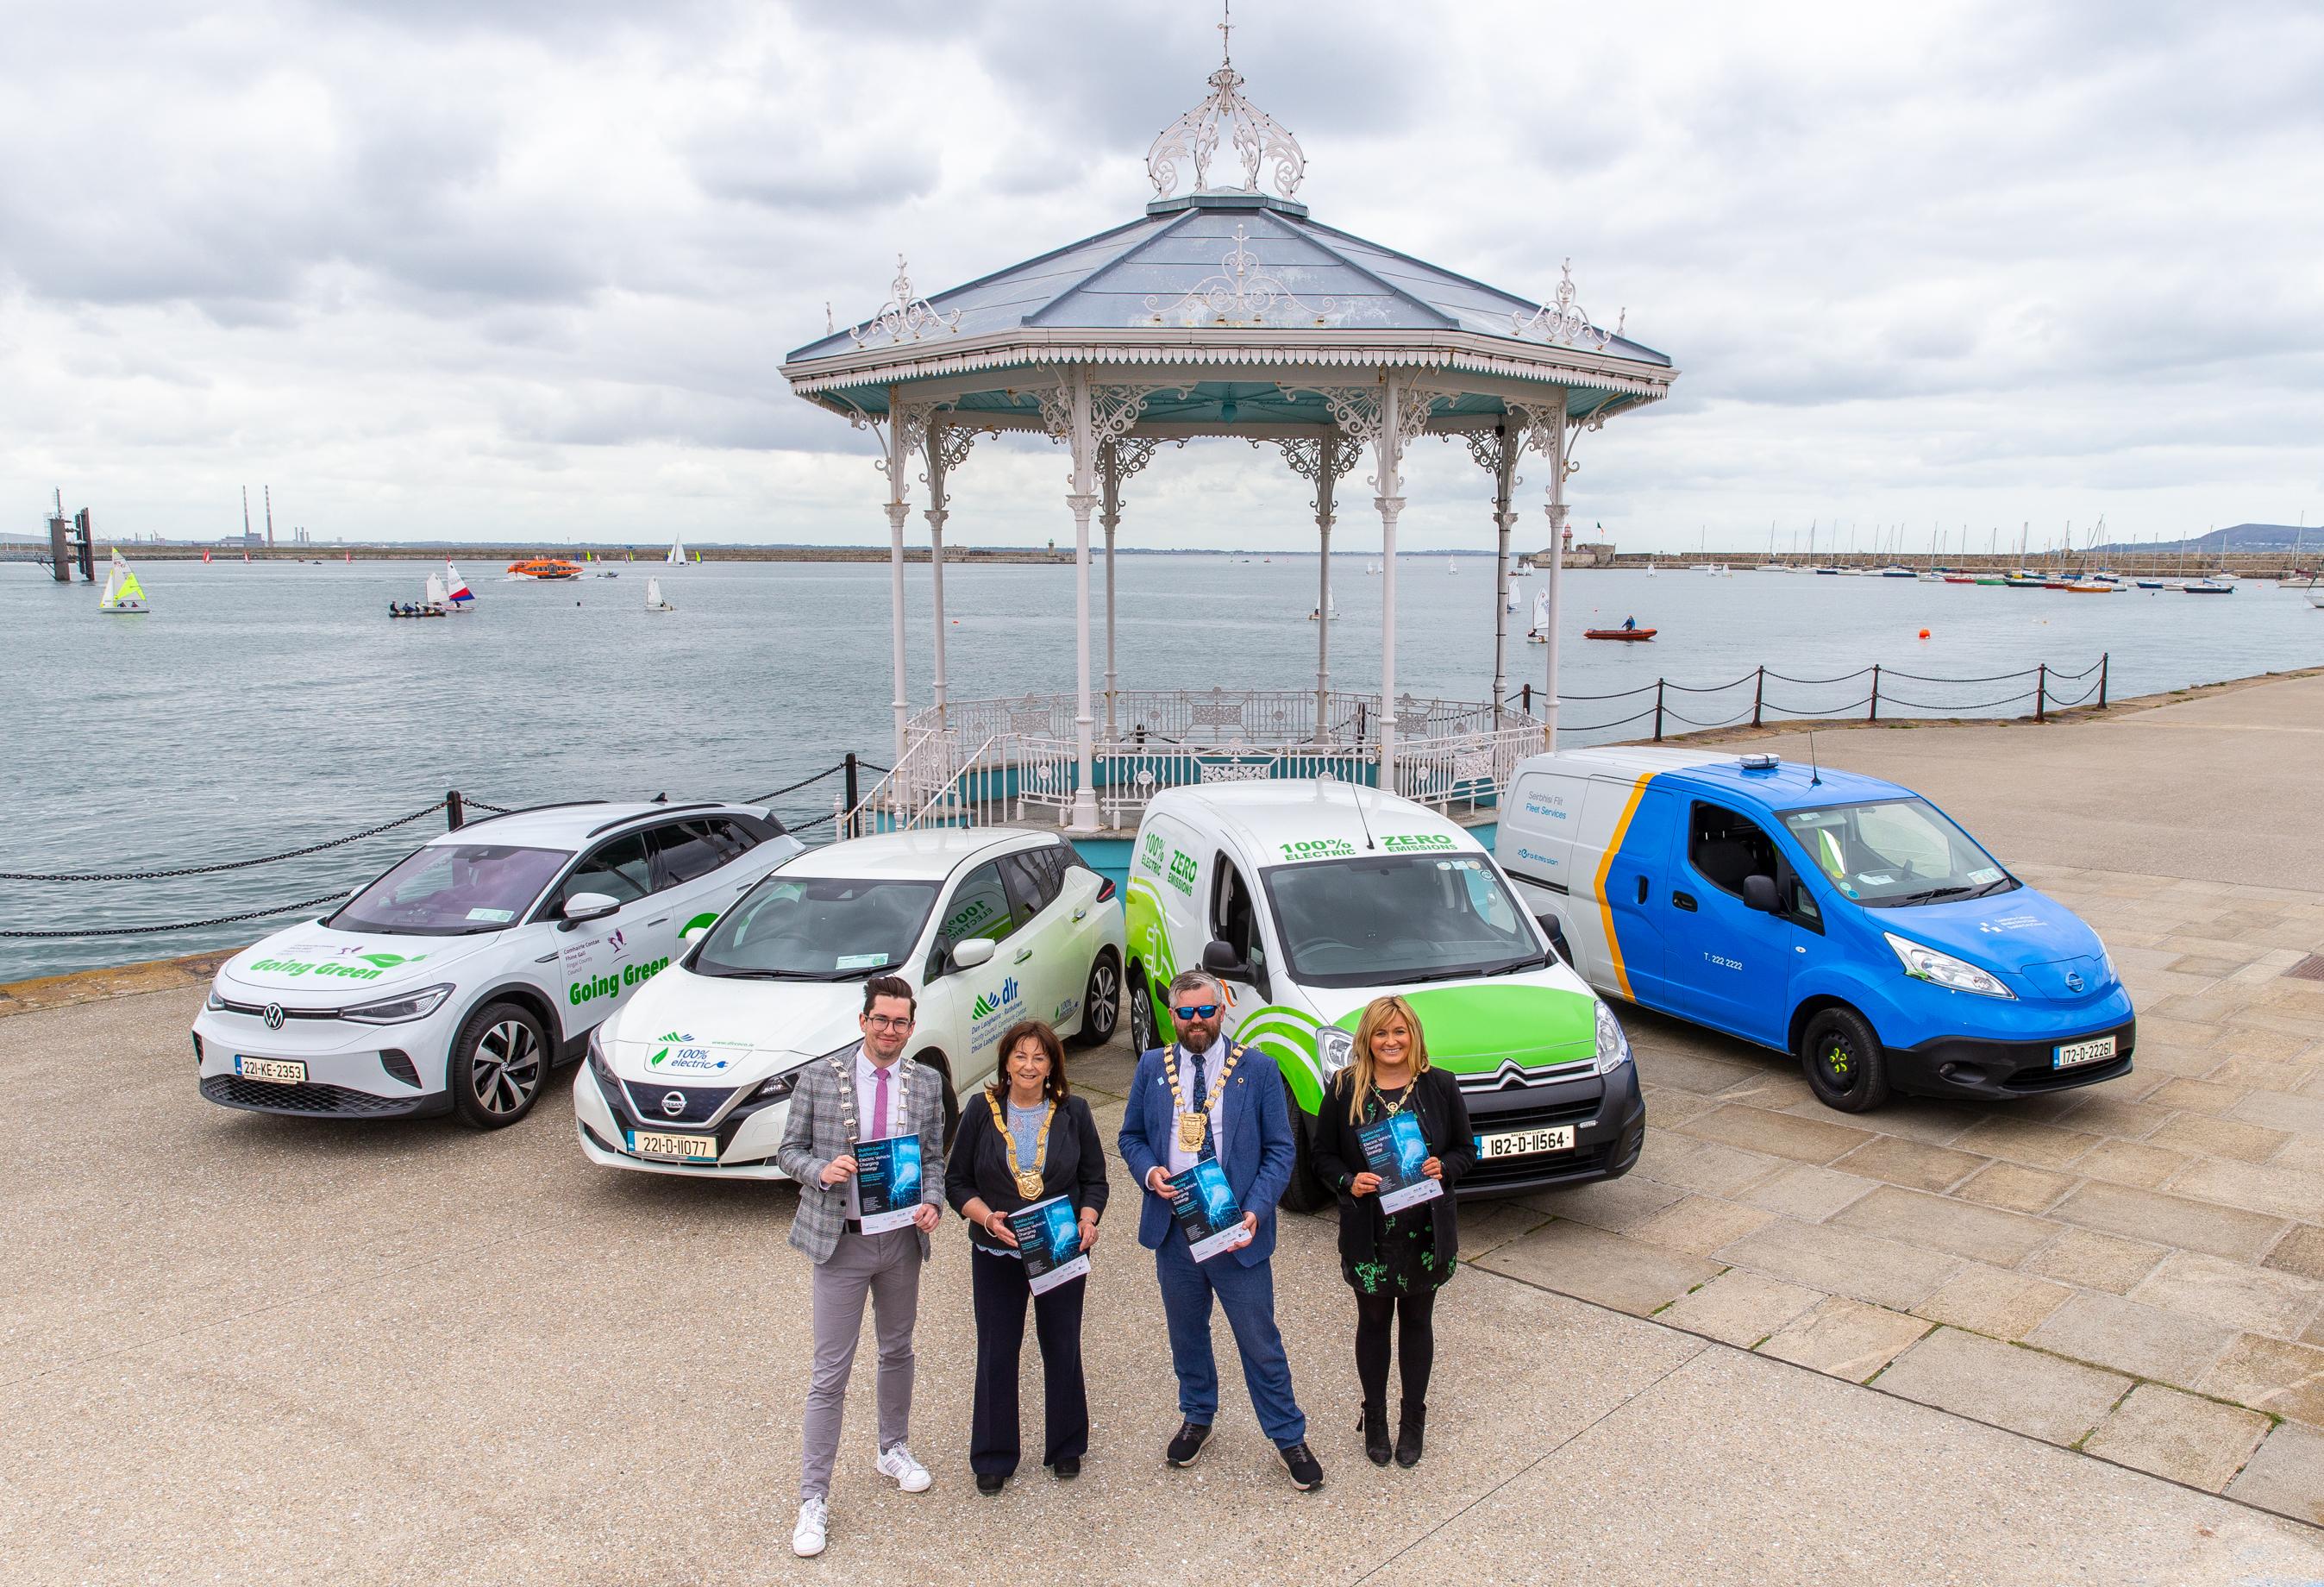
column 2236, row 537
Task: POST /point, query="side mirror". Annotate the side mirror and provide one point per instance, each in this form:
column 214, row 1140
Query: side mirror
column 589, row 905
column 1219, row 958
column 1759, row 893
column 1554, row 930
column 970, row 952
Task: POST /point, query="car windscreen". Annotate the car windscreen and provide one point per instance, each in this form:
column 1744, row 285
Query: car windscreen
column 1890, row 854
column 818, row 928
column 1374, row 920
column 453, row 890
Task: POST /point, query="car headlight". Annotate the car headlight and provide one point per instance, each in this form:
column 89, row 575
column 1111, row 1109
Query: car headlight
column 774, row 1088
column 1335, row 1049
column 1924, row 963
column 407, row 1005
column 214, row 1001
column 1613, row 1047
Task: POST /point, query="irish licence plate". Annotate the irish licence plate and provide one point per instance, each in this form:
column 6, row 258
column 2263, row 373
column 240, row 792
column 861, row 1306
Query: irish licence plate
column 2082, row 1052
column 278, row 1071
column 1519, row 1143
column 684, row 1149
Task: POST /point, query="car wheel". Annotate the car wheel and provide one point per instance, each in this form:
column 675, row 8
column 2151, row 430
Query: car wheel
column 1305, row 1193
column 1144, row 1034
column 500, row 1062
column 1100, row 1002
column 1844, row 1062
column 932, row 1059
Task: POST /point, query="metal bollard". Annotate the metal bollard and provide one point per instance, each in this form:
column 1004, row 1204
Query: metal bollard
column 1876, row 693
column 1658, row 710
column 1758, row 696
column 2042, row 694
column 456, row 814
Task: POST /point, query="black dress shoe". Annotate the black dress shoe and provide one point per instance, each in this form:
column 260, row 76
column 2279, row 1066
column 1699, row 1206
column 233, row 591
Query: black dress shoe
column 1188, row 1444
column 991, row 1483
column 1307, row 1471
column 1066, row 1467
column 1373, row 1425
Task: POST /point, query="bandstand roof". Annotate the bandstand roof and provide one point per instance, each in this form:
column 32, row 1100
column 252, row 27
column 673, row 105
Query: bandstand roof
column 1240, row 294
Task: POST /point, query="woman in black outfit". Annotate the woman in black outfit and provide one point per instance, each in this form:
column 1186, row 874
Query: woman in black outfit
column 1024, row 1139
column 1394, row 1261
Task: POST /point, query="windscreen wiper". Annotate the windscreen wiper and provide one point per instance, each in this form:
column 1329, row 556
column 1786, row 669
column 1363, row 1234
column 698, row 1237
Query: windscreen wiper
column 1515, row 965
column 1953, row 890
column 1996, row 885
column 762, row 975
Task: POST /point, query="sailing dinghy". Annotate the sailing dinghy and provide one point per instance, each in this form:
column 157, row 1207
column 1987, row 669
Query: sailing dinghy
column 677, row 558
column 124, row 596
column 1538, row 634
column 654, row 602
column 461, row 597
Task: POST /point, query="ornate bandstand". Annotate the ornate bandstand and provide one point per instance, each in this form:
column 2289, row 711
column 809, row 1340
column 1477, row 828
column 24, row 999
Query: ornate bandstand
column 1223, row 311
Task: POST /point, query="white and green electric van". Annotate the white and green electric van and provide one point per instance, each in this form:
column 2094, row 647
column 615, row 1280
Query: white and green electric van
column 1308, row 899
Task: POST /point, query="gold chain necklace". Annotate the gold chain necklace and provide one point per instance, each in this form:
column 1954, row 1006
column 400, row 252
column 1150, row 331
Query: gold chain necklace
column 1404, row 1099
column 1028, row 1180
column 1193, row 1126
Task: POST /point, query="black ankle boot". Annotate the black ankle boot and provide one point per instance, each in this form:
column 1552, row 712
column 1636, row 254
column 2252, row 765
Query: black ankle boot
column 1375, row 1428
column 1410, row 1420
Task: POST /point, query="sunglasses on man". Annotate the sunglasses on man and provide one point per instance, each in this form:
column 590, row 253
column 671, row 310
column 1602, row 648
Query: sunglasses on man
column 1198, row 1012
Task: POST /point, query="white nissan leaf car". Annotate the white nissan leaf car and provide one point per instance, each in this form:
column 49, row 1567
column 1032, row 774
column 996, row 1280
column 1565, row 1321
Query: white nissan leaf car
column 989, row 926
column 456, row 979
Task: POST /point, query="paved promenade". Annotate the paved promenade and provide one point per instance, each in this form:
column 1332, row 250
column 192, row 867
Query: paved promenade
column 2078, row 1341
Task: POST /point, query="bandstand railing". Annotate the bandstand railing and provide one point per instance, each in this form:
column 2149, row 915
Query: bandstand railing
column 981, row 762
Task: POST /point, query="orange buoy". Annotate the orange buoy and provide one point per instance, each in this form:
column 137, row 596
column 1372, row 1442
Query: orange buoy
column 1925, row 634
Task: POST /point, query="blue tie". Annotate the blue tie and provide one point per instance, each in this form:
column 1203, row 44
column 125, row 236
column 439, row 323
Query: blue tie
column 1203, row 1105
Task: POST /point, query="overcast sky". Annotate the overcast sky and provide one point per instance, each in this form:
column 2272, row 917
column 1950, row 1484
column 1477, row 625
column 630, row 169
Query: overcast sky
column 465, row 270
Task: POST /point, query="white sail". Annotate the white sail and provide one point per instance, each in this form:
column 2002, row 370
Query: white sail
column 654, row 603
column 437, row 594
column 677, row 558
column 123, row 593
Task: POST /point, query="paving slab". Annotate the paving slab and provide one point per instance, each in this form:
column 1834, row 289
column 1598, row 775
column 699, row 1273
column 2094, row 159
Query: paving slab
column 2286, row 1475
column 2271, row 1375
column 2233, row 1293
column 2096, row 1261
column 2301, row 1251
column 2199, row 1135
column 1574, row 1258
column 1675, row 1159
column 2260, row 1187
column 1846, row 1338
column 2007, row 1385
column 2015, row 1188
column 1841, row 1262
column 1740, row 1307
column 2022, row 1139
column 1615, row 1204
column 1990, row 1300
column 2145, row 1341
column 1701, row 1225
column 1784, row 1135
column 1912, row 1163
column 2171, row 1219
column 2130, row 1162
column 1806, row 1192
column 1942, row 1223
column 2183, row 1436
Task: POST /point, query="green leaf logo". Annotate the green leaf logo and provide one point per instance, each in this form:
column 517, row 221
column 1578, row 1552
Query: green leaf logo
column 656, row 1058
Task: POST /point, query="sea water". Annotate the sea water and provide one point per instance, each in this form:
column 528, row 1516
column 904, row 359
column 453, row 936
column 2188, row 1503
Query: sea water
column 263, row 706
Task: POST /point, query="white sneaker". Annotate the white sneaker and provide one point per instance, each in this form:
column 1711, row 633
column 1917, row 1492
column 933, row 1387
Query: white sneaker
column 807, row 1537
column 910, row 1475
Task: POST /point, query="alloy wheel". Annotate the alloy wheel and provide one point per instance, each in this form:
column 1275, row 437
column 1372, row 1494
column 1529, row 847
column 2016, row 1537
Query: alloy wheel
column 505, row 1070
column 1103, row 1003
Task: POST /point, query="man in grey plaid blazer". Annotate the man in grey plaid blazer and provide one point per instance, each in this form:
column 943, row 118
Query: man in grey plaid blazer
column 867, row 1093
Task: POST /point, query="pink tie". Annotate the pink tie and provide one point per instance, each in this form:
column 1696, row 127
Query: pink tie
column 879, row 1107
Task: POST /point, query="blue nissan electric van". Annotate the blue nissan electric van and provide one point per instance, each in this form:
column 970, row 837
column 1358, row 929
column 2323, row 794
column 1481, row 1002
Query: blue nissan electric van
column 1836, row 917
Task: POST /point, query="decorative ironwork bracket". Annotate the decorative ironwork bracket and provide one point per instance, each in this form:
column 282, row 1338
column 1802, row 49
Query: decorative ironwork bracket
column 904, row 317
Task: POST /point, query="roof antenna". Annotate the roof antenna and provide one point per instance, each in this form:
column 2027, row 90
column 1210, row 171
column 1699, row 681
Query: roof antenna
column 1816, row 779
column 1359, row 790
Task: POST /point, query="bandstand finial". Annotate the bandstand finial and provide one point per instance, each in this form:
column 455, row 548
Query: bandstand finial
column 1225, row 116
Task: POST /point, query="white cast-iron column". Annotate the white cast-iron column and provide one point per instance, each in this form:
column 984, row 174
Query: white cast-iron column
column 938, row 496
column 1109, row 518
column 1327, row 473
column 1559, row 429
column 1512, row 440
column 900, row 451
column 1081, row 434
column 1387, row 448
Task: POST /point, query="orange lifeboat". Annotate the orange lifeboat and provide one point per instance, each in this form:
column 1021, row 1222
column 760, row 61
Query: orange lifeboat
column 547, row 567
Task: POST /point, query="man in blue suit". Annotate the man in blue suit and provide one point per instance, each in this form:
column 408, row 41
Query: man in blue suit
column 1195, row 1099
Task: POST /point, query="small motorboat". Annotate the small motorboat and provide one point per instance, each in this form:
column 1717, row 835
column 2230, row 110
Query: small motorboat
column 545, row 567
column 2208, row 587
column 1963, row 578
column 2152, row 583
column 1621, row 633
